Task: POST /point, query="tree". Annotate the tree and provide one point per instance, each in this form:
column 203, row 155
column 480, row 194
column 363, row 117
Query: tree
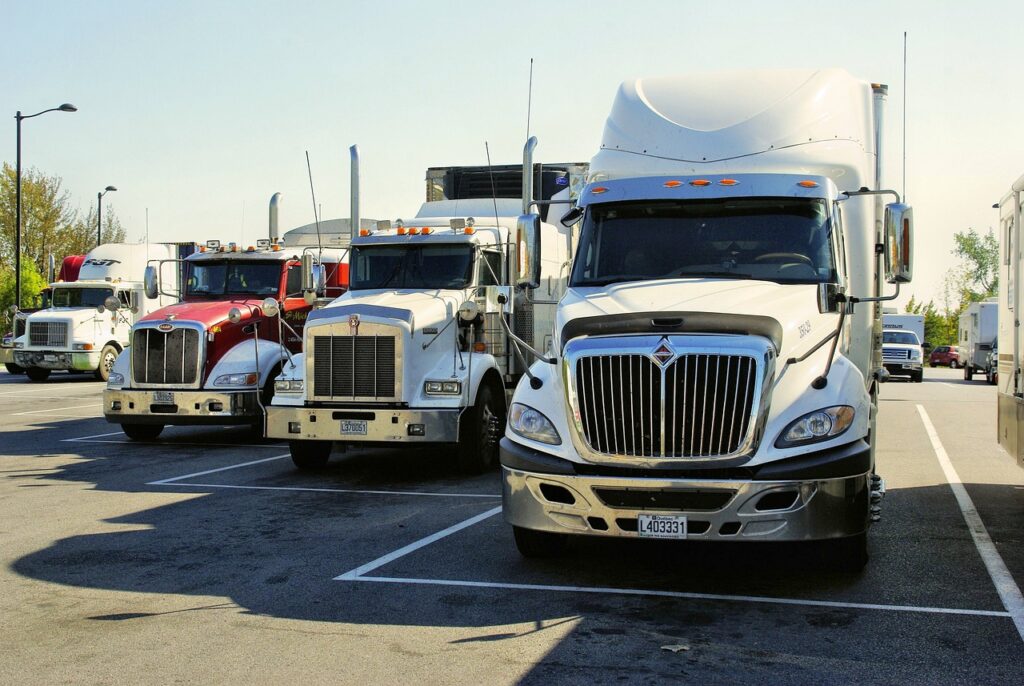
column 980, row 255
column 937, row 330
column 32, row 284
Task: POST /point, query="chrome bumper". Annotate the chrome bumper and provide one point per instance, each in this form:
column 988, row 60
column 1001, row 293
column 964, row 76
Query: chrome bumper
column 818, row 509
column 7, row 355
column 188, row 407
column 58, row 359
column 381, row 424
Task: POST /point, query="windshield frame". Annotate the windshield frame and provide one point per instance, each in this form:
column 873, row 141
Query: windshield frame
column 223, row 291
column 81, row 290
column 901, row 332
column 832, row 228
column 400, row 279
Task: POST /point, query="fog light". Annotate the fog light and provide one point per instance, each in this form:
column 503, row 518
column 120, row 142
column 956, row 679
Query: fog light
column 417, row 430
column 294, row 427
column 116, row 406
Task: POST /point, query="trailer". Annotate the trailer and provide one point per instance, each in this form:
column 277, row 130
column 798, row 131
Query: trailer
column 1009, row 357
column 978, row 330
column 715, row 359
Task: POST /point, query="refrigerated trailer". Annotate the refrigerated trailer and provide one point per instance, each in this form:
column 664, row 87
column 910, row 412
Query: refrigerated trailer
column 715, row 358
column 1010, row 364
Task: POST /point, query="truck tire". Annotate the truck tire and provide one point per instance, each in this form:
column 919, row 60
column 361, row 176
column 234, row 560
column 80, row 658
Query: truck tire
column 538, row 544
column 37, row 374
column 917, row 377
column 142, row 432
column 107, row 358
column 480, row 429
column 310, row 455
column 849, row 554
column 968, row 372
column 14, row 369
column 953, row 364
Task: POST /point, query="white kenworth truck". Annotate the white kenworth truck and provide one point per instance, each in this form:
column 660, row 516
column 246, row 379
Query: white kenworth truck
column 715, row 364
column 418, row 350
column 89, row 321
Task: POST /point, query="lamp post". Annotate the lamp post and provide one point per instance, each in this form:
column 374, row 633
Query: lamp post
column 66, row 107
column 99, row 213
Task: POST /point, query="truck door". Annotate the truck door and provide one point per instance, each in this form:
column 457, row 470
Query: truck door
column 294, row 310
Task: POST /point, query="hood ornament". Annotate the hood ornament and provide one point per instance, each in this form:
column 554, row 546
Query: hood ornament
column 353, row 324
column 663, row 354
column 170, row 317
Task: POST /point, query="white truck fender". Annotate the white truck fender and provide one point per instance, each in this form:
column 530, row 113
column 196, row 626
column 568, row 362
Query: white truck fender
column 241, row 359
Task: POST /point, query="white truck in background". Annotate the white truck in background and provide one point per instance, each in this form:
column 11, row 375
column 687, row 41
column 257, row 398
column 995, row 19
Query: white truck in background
column 903, row 345
column 88, row 321
column 905, row 322
column 716, row 355
column 979, row 329
column 1010, row 356
column 418, row 350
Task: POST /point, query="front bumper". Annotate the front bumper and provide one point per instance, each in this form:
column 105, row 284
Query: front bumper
column 7, row 355
column 798, row 505
column 58, row 359
column 903, row 368
column 368, row 425
column 187, row 407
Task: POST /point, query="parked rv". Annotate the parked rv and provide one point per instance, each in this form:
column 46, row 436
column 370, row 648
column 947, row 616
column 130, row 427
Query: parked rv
column 1010, row 356
column 418, row 350
column 88, row 320
column 979, row 327
column 713, row 374
column 212, row 358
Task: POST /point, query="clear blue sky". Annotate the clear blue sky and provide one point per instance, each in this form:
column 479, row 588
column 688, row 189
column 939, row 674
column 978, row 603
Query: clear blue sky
column 199, row 111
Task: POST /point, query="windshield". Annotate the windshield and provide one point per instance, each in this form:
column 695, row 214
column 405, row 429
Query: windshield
column 902, row 337
column 408, row 266
column 787, row 240
column 80, row 297
column 233, row 278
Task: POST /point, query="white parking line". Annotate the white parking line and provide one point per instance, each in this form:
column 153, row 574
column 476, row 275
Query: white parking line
column 491, row 496
column 1007, row 588
column 47, row 389
column 83, row 438
column 359, row 574
column 164, row 482
column 166, row 444
column 58, row 409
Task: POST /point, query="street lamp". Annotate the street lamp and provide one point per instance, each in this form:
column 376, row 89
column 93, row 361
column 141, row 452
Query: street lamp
column 99, row 213
column 66, row 107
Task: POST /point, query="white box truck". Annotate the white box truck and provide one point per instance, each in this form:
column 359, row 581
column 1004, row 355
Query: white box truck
column 1010, row 354
column 979, row 328
column 89, row 320
column 716, row 355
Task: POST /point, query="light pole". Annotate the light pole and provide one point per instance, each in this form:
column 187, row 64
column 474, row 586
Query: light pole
column 99, row 213
column 66, row 107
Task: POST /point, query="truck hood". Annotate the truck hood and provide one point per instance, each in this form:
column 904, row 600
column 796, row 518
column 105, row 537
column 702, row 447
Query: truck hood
column 206, row 312
column 793, row 306
column 424, row 308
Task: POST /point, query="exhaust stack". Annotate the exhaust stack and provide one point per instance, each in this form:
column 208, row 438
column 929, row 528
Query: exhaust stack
column 528, row 174
column 879, row 92
column 354, row 191
column 275, row 203
column 51, row 272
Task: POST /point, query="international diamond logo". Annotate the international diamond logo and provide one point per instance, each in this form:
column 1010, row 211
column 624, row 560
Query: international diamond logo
column 663, row 354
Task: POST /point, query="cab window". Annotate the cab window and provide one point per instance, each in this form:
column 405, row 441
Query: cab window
column 293, row 287
column 490, row 268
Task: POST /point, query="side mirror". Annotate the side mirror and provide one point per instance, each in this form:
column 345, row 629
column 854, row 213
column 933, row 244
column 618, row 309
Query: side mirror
column 320, row 279
column 270, row 307
column 234, row 315
column 111, row 304
column 528, row 251
column 151, row 282
column 572, row 216
column 307, row 272
column 828, row 297
column 899, row 243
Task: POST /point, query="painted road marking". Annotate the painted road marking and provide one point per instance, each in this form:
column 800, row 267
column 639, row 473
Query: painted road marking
column 164, row 482
column 1007, row 588
column 83, row 438
column 359, row 574
column 492, row 496
column 171, row 444
column 58, row 409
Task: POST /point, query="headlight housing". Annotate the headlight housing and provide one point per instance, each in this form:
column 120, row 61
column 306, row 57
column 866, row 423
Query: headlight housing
column 115, row 379
column 82, row 346
column 443, row 388
column 820, row 425
column 247, row 379
column 288, row 386
column 915, row 354
column 529, row 423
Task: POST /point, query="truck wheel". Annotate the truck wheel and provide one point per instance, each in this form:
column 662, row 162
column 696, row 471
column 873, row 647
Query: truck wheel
column 310, row 455
column 968, row 372
column 107, row 357
column 37, row 374
column 953, row 364
column 480, row 429
column 14, row 369
column 538, row 544
column 142, row 432
column 849, row 554
column 918, row 377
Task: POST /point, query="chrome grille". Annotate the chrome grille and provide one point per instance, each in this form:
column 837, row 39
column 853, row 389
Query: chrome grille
column 166, row 358
column 895, row 354
column 48, row 334
column 354, row 367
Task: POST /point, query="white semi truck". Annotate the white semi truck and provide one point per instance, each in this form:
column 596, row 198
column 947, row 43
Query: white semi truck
column 418, row 350
column 1010, row 354
column 716, row 355
column 89, row 321
column 979, row 328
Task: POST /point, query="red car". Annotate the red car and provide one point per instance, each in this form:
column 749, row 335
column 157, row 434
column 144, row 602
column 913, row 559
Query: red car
column 945, row 356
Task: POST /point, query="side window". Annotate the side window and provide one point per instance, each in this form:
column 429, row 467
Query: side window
column 125, row 297
column 293, row 287
column 490, row 268
column 839, row 242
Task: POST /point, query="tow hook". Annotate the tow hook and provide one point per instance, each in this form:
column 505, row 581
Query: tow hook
column 877, row 493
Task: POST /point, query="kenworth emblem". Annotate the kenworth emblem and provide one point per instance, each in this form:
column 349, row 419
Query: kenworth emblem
column 353, row 324
column 663, row 354
column 166, row 327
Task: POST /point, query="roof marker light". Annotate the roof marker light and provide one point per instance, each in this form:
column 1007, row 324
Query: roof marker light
column 364, row 232
column 414, row 231
column 401, row 230
column 598, row 190
column 673, row 184
column 427, row 230
column 470, row 230
column 700, row 183
column 808, row 184
column 728, row 182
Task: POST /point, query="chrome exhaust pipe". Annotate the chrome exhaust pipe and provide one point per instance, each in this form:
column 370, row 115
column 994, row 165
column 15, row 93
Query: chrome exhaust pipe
column 275, row 203
column 354, row 191
column 528, row 174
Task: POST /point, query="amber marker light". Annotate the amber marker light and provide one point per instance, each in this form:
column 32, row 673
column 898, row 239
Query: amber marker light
column 469, row 230
column 728, row 182
column 479, row 347
column 700, row 183
column 364, row 232
column 598, row 190
column 414, row 231
column 673, row 184
column 401, row 231
column 807, row 184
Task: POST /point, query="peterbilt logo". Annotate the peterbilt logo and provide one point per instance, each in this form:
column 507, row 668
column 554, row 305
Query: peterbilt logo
column 165, row 327
column 353, row 324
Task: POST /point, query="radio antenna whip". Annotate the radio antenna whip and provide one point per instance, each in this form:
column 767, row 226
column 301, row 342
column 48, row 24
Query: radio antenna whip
column 904, row 117
column 316, row 215
column 529, row 101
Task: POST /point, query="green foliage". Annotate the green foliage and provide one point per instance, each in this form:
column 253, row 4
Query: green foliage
column 32, row 284
column 939, row 329
column 980, row 274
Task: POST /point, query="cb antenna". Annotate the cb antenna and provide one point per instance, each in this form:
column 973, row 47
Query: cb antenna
column 904, row 116
column 316, row 215
column 529, row 102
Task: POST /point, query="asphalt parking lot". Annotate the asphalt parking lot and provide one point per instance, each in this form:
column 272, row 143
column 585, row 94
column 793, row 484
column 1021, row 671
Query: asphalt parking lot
column 205, row 557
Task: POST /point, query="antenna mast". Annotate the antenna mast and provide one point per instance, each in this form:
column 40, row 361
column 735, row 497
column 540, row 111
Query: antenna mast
column 316, row 215
column 904, row 189
column 529, row 102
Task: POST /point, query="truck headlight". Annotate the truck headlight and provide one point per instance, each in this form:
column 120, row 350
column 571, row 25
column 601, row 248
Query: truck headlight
column 529, row 423
column 442, row 387
column 81, row 346
column 820, row 425
column 236, row 380
column 915, row 354
column 115, row 379
column 19, row 344
column 288, row 386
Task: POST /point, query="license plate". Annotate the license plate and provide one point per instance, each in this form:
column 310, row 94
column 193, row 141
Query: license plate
column 661, row 526
column 353, row 427
column 49, row 358
column 908, row 366
column 163, row 397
